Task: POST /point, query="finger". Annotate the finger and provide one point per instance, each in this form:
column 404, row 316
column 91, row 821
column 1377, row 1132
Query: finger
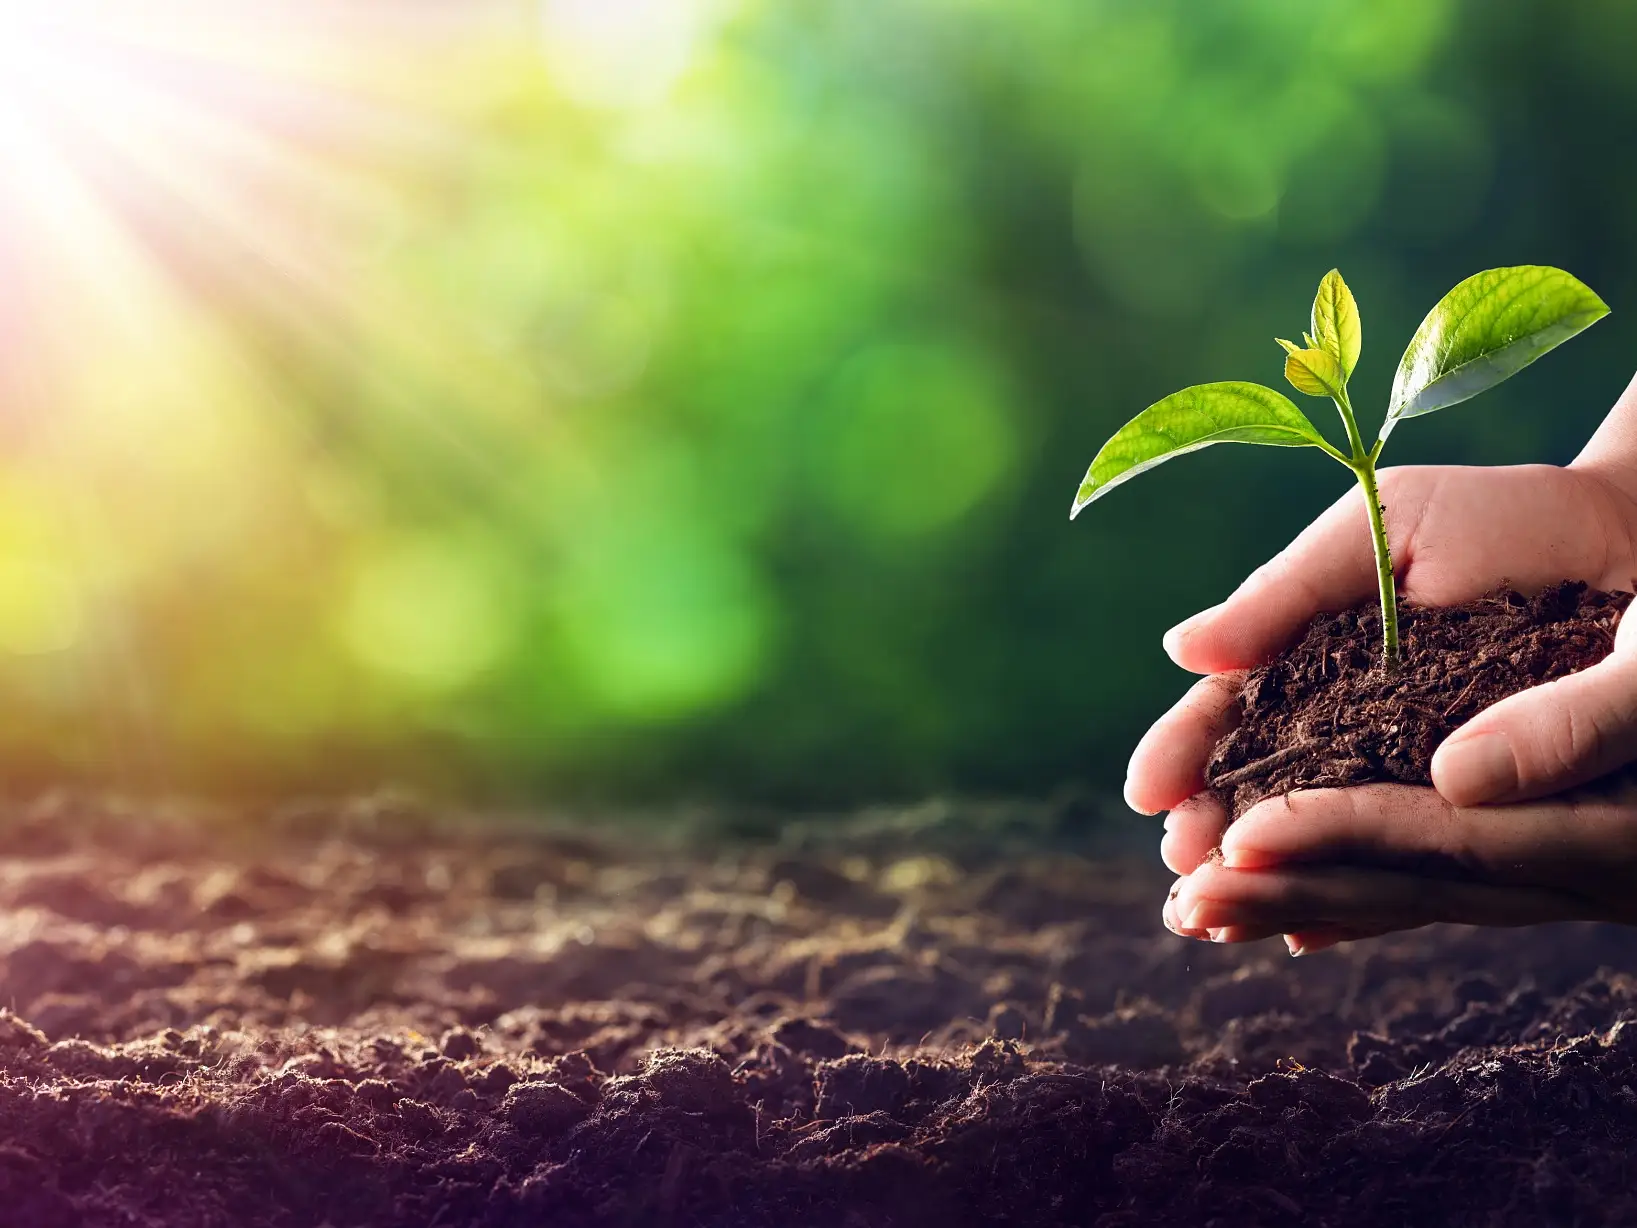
column 1169, row 914
column 1344, row 897
column 1192, row 830
column 1549, row 738
column 1328, row 567
column 1306, row 943
column 1561, row 844
column 1242, row 933
column 1310, row 942
column 1168, row 766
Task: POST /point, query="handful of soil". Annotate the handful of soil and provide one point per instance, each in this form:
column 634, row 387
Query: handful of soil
column 1326, row 714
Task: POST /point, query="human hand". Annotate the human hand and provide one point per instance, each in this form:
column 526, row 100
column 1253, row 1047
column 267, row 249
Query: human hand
column 1327, row 865
column 1456, row 533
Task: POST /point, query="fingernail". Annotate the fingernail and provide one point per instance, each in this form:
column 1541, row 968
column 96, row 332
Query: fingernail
column 1173, row 919
column 1296, row 948
column 1132, row 802
column 1197, row 916
column 1245, row 859
column 1475, row 769
column 1172, row 640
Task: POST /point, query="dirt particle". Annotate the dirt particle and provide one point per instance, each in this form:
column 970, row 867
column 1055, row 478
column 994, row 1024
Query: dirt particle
column 338, row 1139
column 812, row 1039
column 16, row 1034
column 998, row 1059
column 1064, row 1006
column 542, row 1108
column 909, row 999
column 460, row 1044
column 1621, row 1039
column 1142, row 1034
column 859, row 1084
column 854, row 1133
column 693, row 1079
column 1007, row 1021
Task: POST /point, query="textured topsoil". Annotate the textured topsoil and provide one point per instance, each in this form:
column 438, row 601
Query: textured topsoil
column 949, row 1015
column 1325, row 714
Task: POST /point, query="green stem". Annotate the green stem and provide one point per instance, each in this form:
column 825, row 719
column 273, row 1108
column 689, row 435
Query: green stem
column 1364, row 465
column 1384, row 565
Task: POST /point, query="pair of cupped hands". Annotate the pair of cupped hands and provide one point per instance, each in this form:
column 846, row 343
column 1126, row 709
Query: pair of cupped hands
column 1514, row 831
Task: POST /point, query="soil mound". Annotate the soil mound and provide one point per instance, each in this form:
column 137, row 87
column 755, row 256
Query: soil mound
column 1325, row 714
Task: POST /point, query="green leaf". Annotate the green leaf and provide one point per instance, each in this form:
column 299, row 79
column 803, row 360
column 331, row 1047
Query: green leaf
column 1313, row 372
column 1192, row 419
column 1337, row 328
column 1490, row 326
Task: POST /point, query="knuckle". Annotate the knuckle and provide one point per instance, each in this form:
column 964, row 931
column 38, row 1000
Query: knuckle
column 1583, row 742
column 1325, row 815
column 1594, row 732
column 1550, row 745
column 1355, row 812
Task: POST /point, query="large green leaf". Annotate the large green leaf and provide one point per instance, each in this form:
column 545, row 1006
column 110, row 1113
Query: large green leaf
column 1192, row 419
column 1337, row 327
column 1490, row 326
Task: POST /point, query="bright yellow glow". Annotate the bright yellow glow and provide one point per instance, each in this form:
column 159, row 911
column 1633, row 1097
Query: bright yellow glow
column 39, row 609
column 429, row 613
column 190, row 191
column 135, row 162
column 619, row 52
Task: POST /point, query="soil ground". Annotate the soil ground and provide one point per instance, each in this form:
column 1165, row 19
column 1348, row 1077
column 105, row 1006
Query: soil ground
column 946, row 1015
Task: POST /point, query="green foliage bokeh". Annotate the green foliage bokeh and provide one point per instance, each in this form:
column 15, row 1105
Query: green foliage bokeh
column 705, row 417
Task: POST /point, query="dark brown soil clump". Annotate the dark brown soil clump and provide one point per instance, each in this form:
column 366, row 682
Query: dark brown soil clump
column 942, row 1016
column 1325, row 714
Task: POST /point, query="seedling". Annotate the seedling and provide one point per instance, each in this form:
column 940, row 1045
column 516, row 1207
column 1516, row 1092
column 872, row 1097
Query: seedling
column 1489, row 327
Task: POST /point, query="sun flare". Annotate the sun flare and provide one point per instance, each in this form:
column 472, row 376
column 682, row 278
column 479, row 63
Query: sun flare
column 153, row 163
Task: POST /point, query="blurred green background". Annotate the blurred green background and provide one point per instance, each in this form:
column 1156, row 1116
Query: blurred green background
column 684, row 398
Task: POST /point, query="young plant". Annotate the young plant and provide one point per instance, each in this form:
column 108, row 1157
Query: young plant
column 1490, row 326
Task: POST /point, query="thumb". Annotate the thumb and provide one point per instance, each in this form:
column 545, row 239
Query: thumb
column 1549, row 738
